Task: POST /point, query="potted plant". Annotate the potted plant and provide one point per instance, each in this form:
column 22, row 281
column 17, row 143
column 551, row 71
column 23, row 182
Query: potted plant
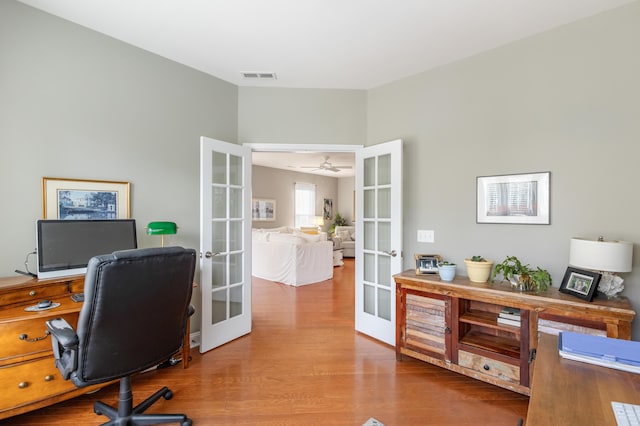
column 478, row 269
column 338, row 221
column 522, row 276
column 447, row 271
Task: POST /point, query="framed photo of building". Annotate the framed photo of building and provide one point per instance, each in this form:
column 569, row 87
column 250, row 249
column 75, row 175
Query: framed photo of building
column 74, row 199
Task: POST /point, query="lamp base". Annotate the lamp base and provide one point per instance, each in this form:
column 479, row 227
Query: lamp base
column 610, row 285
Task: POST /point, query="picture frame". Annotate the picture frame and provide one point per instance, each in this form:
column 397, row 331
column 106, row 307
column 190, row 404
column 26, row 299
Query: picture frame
column 263, row 209
column 513, row 199
column 73, row 199
column 580, row 283
column 327, row 210
column 427, row 263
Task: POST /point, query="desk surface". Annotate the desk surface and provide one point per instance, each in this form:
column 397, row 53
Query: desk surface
column 566, row 392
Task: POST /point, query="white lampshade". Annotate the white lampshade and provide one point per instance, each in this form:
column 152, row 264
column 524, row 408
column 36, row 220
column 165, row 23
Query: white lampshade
column 318, row 221
column 601, row 255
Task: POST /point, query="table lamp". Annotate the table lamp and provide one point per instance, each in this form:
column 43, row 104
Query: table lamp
column 319, row 222
column 162, row 229
column 604, row 256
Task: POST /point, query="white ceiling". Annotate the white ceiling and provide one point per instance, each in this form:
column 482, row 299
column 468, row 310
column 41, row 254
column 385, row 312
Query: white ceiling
column 346, row 44
column 307, row 162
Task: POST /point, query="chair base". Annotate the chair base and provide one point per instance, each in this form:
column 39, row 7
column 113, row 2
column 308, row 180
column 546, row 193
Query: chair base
column 127, row 415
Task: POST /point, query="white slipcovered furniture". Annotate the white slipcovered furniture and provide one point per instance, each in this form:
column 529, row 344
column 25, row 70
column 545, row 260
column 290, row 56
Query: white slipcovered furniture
column 291, row 257
column 344, row 237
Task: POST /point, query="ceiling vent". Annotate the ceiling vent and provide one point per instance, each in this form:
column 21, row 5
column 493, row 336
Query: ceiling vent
column 259, row 75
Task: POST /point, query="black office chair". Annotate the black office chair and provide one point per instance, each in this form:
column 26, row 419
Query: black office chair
column 134, row 317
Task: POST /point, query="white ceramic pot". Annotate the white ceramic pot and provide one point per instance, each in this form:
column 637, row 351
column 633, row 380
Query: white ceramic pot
column 447, row 272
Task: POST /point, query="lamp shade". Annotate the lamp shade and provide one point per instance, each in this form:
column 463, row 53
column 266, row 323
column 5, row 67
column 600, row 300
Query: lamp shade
column 601, row 255
column 162, row 228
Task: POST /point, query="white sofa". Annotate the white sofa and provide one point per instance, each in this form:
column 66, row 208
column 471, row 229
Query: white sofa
column 291, row 257
column 344, row 237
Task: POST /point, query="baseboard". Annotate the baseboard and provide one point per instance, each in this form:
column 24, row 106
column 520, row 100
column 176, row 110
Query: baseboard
column 194, row 339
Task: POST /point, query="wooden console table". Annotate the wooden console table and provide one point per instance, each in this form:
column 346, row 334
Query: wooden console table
column 566, row 392
column 28, row 376
column 454, row 325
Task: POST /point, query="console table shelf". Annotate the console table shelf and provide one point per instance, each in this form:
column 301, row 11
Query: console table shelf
column 455, row 325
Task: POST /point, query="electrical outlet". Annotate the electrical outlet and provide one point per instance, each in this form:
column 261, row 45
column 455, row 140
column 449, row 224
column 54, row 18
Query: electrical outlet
column 194, row 339
column 426, row 236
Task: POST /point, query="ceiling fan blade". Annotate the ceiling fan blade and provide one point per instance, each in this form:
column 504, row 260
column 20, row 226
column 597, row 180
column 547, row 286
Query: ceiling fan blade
column 332, row 169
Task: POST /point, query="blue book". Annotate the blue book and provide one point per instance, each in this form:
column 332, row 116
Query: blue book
column 605, row 351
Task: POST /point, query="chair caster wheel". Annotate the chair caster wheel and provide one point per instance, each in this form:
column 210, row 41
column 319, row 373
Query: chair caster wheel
column 168, row 395
column 186, row 422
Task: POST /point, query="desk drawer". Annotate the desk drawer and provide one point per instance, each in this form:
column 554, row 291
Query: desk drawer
column 34, row 333
column 31, row 381
column 44, row 291
column 490, row 367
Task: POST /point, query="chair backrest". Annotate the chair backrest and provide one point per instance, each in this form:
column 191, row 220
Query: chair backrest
column 135, row 311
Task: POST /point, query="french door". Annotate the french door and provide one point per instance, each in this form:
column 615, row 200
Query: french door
column 379, row 238
column 225, row 242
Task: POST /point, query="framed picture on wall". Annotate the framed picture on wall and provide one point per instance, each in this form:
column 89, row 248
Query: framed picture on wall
column 518, row 199
column 74, row 199
column 327, row 211
column 263, row 209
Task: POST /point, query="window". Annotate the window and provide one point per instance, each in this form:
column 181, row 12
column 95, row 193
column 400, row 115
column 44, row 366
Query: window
column 304, row 204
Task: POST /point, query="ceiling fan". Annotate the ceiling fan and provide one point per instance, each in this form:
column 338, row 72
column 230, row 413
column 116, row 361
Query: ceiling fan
column 326, row 165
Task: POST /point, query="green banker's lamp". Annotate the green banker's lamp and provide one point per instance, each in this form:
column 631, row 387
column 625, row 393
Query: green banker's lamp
column 162, row 229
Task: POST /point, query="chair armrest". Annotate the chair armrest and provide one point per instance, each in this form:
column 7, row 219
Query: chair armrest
column 63, row 333
column 64, row 342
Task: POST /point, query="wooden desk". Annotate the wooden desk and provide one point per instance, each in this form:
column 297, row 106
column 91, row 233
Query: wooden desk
column 28, row 376
column 566, row 392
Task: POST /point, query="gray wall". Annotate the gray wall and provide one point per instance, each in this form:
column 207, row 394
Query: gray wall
column 77, row 104
column 278, row 184
column 302, row 116
column 346, row 188
column 565, row 101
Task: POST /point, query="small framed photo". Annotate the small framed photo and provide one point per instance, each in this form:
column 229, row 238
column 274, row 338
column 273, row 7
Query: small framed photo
column 517, row 199
column 580, row 283
column 74, row 199
column 427, row 263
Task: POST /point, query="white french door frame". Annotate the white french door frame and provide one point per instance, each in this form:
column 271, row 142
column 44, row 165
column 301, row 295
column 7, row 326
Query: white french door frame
column 379, row 246
column 225, row 264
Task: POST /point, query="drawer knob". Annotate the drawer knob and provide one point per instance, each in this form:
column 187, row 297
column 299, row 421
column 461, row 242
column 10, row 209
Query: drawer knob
column 23, row 385
column 25, row 336
column 48, row 378
column 32, row 293
column 486, row 367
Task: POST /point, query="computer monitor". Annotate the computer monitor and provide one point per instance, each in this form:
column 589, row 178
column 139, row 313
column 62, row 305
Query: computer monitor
column 64, row 247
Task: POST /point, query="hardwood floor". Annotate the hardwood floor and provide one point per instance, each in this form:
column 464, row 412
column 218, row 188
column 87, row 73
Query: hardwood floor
column 303, row 364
